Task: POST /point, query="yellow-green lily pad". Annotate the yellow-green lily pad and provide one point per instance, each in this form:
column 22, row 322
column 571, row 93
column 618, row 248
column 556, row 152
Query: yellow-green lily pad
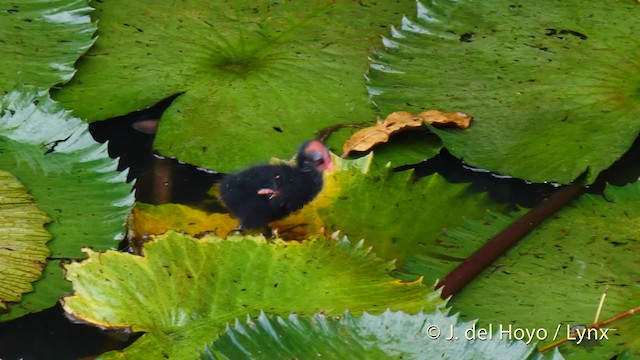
column 184, row 290
column 23, row 249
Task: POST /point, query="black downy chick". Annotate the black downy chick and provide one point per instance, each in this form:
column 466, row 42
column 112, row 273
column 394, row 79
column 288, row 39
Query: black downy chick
column 264, row 193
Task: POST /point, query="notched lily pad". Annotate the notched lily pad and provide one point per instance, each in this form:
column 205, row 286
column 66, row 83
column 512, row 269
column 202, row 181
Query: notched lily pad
column 556, row 274
column 225, row 279
column 41, row 41
column 365, row 201
column 70, row 177
column 384, row 336
column 396, row 212
column 270, row 72
column 554, row 87
column 23, row 249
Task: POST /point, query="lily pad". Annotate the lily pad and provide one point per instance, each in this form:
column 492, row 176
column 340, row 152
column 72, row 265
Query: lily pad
column 41, row 41
column 70, row 177
column 556, row 275
column 396, row 212
column 400, row 213
column 23, row 249
column 270, row 72
column 409, row 149
column 148, row 219
column 384, row 336
column 226, row 279
column 554, row 88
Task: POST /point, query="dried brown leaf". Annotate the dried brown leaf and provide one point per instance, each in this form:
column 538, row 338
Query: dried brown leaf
column 439, row 118
column 365, row 139
column 402, row 120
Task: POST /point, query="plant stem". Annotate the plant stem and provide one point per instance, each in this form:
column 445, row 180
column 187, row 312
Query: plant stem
column 323, row 134
column 594, row 326
column 504, row 240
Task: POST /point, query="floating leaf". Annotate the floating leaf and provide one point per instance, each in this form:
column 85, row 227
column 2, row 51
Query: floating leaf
column 41, row 41
column 23, row 249
column 397, row 213
column 555, row 276
column 150, row 219
column 398, row 121
column 70, row 177
column 384, row 336
column 365, row 202
column 272, row 73
column 226, row 279
column 554, row 87
column 409, row 148
column 370, row 204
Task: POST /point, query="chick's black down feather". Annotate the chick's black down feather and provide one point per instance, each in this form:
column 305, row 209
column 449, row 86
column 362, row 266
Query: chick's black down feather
column 264, row 193
column 295, row 188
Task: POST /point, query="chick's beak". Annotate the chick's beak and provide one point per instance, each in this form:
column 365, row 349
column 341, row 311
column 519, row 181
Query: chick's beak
column 319, row 155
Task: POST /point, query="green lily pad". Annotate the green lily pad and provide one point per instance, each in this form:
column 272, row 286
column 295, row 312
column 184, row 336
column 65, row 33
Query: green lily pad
column 23, row 249
column 554, row 277
column 70, row 177
column 554, row 88
column 271, row 72
column 226, row 279
column 384, row 336
column 435, row 262
column 41, row 41
column 408, row 148
column 396, row 212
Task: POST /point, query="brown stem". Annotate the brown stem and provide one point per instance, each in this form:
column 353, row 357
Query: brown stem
column 503, row 241
column 622, row 315
column 323, row 134
column 597, row 325
column 156, row 185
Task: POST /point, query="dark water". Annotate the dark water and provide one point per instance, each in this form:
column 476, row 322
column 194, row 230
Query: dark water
column 50, row 335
